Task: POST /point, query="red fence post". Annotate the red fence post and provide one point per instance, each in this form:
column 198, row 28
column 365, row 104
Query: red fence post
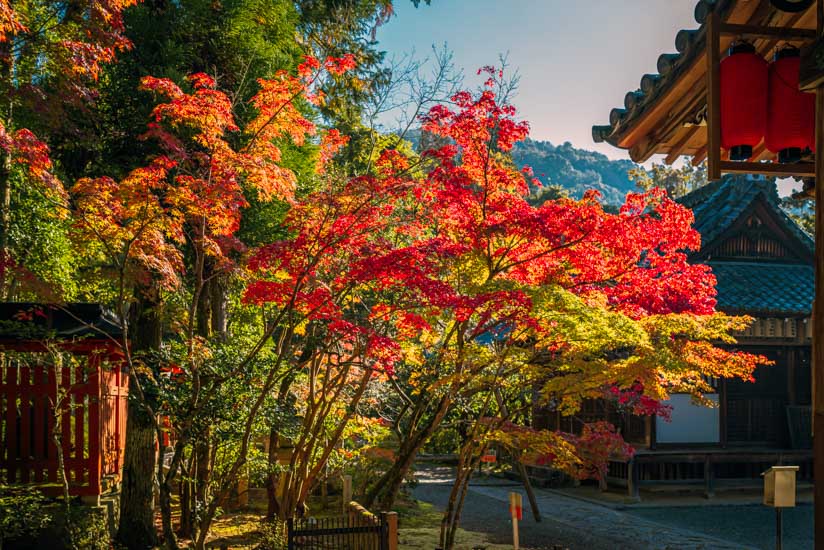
column 79, row 390
column 66, row 420
column 25, row 424
column 39, row 422
column 95, row 402
column 51, row 448
column 11, row 443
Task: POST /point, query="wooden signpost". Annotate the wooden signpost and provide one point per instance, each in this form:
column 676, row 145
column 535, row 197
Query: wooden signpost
column 489, row 457
column 516, row 511
column 347, row 492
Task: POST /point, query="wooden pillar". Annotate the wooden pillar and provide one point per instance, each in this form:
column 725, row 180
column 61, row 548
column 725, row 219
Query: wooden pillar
column 633, row 486
column 792, row 393
column 817, row 363
column 390, row 520
column 722, row 412
column 347, row 492
column 713, row 97
column 709, row 475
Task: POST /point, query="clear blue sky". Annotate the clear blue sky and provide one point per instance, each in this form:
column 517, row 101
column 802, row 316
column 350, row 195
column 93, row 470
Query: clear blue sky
column 577, row 58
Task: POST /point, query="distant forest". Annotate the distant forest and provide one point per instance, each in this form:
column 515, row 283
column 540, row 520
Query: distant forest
column 564, row 166
column 576, row 170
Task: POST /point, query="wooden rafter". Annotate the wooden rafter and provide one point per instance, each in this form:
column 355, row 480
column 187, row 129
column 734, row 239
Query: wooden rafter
column 692, row 77
column 678, row 148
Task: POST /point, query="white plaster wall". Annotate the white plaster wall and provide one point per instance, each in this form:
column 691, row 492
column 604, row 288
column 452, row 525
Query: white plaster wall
column 690, row 423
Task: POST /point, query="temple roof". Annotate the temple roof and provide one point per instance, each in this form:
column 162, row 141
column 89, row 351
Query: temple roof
column 719, row 204
column 666, row 114
column 26, row 321
column 766, row 287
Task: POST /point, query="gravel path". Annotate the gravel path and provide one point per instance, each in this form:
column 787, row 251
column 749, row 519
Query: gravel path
column 567, row 522
column 754, row 525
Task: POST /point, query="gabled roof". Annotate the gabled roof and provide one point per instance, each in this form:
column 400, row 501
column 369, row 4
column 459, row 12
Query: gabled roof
column 765, row 288
column 719, row 204
column 664, row 115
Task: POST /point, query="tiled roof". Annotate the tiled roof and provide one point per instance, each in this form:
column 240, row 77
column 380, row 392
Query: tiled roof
column 689, row 44
column 719, row 204
column 31, row 321
column 775, row 289
column 752, row 287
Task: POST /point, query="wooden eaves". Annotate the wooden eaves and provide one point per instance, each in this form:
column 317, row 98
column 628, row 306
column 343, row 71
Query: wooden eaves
column 668, row 114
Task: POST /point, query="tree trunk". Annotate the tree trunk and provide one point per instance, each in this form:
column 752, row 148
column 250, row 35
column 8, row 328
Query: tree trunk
column 203, row 468
column 463, row 475
column 136, row 529
column 273, row 506
column 202, row 443
column 186, row 504
column 385, row 490
column 6, row 79
column 219, row 301
column 204, row 310
column 5, row 221
column 456, row 518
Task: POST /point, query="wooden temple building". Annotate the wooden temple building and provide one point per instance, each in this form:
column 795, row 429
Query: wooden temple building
column 764, row 263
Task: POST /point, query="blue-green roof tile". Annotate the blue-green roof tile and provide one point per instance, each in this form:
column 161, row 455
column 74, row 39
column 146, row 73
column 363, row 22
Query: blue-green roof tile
column 758, row 287
column 775, row 289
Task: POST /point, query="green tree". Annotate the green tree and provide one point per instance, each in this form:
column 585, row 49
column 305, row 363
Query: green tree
column 677, row 182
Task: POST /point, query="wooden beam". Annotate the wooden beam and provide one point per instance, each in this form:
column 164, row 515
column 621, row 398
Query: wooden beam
column 646, row 146
column 678, row 148
column 799, row 169
column 753, row 31
column 699, row 156
column 713, row 98
column 769, row 45
column 673, row 94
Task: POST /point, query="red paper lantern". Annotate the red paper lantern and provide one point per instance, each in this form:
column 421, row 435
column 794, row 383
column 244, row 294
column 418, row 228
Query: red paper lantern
column 743, row 75
column 791, row 112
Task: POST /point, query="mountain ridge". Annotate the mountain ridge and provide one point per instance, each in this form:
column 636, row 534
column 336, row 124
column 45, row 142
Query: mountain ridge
column 572, row 169
column 576, row 170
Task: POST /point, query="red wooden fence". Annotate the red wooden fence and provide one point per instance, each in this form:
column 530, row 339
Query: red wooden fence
column 93, row 391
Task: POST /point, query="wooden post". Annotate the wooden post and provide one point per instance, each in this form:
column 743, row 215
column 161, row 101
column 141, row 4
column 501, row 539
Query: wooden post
column 347, row 492
column 817, row 366
column 390, row 519
column 713, row 98
column 633, row 489
column 516, row 507
column 709, row 491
